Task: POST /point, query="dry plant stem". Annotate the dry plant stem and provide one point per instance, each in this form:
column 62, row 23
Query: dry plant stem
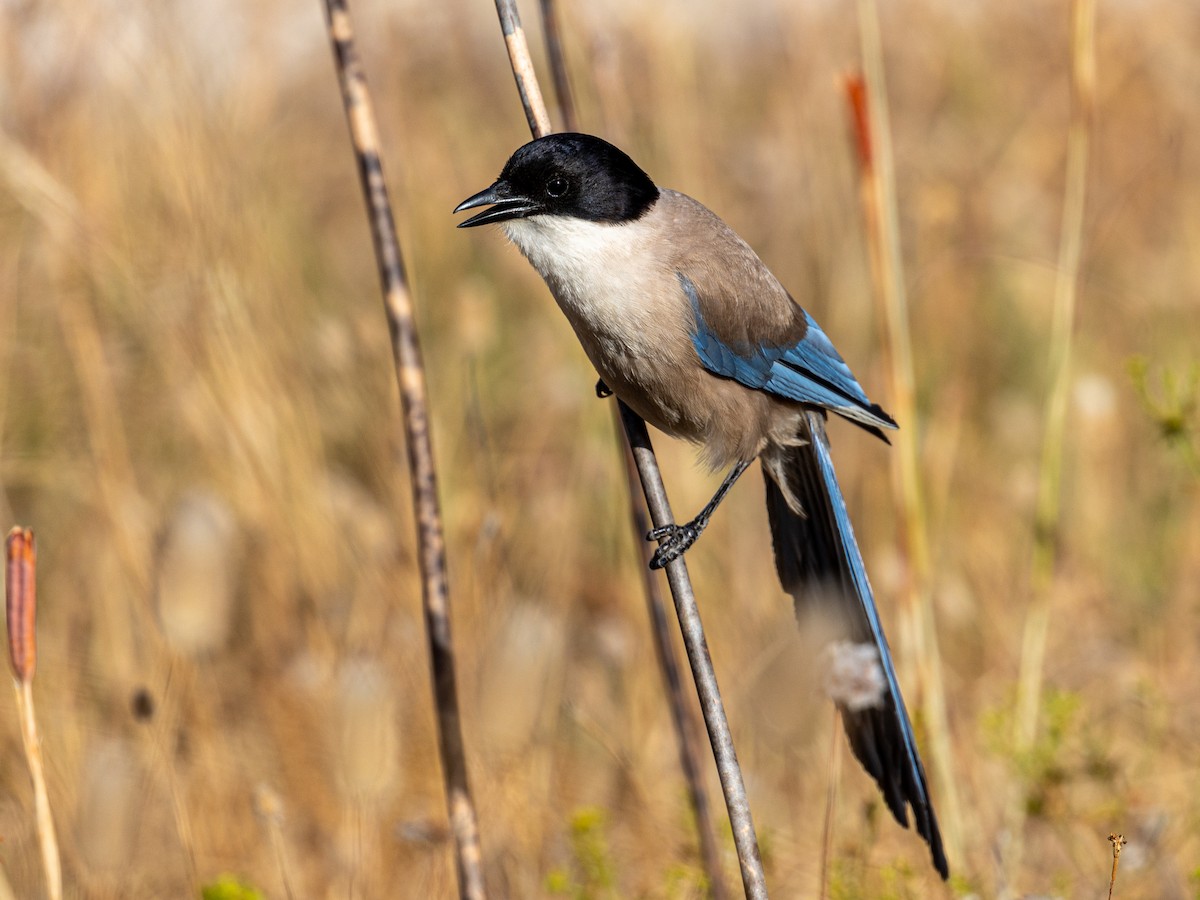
column 279, row 851
column 1046, row 523
column 732, row 785
column 734, row 789
column 6, row 891
column 668, row 663
column 883, row 238
column 116, row 480
column 410, row 376
column 20, row 602
column 558, row 65
column 270, row 807
column 1118, row 841
column 522, row 68
column 163, row 736
column 835, row 770
column 47, row 839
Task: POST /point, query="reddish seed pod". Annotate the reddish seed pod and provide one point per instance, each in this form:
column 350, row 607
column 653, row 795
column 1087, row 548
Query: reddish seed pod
column 860, row 122
column 21, row 601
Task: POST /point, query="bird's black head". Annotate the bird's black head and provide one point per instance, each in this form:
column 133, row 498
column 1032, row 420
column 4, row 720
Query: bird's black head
column 574, row 175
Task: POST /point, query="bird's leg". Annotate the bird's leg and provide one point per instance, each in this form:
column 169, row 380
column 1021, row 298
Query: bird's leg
column 674, row 540
column 602, row 389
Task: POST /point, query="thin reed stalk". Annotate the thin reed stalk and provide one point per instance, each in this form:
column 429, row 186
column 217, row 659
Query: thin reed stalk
column 47, row 837
column 668, row 664
column 1118, row 841
column 410, row 376
column 162, row 736
column 720, row 737
column 881, row 210
column 835, row 771
column 269, row 806
column 1047, row 525
column 668, row 661
column 20, row 591
column 1046, row 530
column 558, row 65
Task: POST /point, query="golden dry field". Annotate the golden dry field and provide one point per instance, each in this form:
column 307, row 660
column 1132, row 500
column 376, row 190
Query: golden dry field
column 199, row 419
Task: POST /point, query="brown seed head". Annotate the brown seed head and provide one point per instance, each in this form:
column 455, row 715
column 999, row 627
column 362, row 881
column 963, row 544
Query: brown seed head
column 21, row 601
column 860, row 120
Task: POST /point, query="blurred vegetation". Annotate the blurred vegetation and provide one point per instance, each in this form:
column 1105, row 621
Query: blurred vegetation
column 198, row 418
column 1172, row 406
column 229, row 888
column 596, row 872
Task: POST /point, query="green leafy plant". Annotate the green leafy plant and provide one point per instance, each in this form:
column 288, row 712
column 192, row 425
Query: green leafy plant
column 593, row 873
column 1063, row 752
column 227, row 887
column 1172, row 403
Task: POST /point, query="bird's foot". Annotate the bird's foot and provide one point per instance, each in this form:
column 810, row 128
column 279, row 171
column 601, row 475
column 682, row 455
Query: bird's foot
column 602, row 389
column 673, row 541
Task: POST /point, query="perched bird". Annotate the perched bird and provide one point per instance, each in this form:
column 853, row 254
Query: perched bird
column 689, row 328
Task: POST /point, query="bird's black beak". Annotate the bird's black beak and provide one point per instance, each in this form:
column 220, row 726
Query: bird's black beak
column 504, row 206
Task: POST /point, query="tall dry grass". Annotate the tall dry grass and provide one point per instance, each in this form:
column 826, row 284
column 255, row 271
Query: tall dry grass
column 188, row 310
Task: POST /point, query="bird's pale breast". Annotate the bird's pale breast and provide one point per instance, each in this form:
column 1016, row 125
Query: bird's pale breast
column 619, row 288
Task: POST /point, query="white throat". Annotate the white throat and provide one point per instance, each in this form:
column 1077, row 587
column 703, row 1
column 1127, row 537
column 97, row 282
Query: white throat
column 598, row 272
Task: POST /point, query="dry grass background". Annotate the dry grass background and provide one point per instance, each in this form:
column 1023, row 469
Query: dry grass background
column 197, row 415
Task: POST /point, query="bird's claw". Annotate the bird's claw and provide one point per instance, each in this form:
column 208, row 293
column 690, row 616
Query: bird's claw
column 673, row 542
column 602, row 389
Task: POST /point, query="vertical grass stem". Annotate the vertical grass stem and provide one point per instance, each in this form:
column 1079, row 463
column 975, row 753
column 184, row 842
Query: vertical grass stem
column 881, row 210
column 20, row 592
column 1047, row 520
column 410, row 375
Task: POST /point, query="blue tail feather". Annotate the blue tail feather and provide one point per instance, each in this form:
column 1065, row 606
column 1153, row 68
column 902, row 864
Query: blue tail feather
column 819, row 562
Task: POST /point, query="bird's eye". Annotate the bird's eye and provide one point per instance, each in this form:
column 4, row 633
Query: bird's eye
column 557, row 186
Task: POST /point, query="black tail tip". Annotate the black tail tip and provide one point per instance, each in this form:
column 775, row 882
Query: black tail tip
column 933, row 837
column 877, row 410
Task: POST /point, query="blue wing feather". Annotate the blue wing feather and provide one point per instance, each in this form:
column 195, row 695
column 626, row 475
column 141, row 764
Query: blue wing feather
column 810, row 371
